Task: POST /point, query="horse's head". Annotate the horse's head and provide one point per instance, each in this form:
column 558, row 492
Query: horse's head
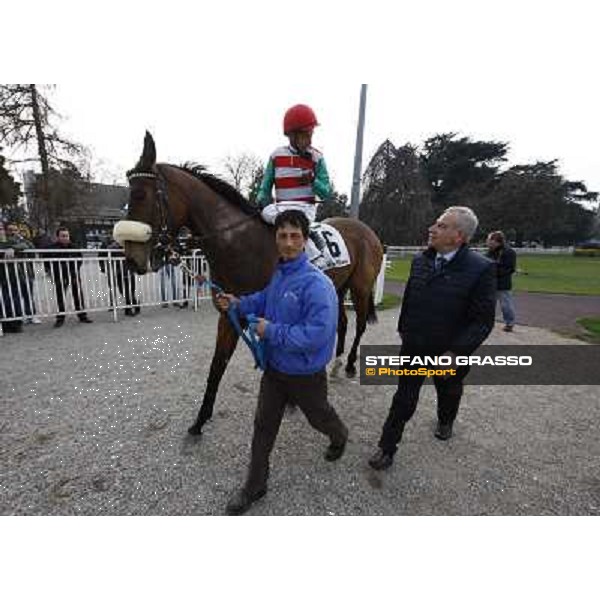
column 145, row 233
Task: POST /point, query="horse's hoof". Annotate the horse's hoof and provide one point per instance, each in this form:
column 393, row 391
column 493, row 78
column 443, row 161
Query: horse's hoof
column 335, row 370
column 195, row 429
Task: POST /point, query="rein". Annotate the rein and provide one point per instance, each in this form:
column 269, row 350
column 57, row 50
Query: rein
column 249, row 335
column 164, row 244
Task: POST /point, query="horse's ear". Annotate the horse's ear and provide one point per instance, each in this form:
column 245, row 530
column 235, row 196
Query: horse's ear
column 148, row 158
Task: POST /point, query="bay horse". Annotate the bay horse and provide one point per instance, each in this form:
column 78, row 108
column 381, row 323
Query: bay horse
column 239, row 247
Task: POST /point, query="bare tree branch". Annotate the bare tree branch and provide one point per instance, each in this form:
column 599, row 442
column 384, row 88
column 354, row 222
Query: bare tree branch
column 240, row 170
column 28, row 123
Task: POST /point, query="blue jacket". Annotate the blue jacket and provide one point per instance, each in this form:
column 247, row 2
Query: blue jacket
column 301, row 306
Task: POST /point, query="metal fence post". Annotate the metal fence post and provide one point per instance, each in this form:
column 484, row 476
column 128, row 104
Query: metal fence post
column 113, row 288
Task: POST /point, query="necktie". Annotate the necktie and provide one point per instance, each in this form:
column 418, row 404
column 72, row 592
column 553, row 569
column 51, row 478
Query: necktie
column 440, row 263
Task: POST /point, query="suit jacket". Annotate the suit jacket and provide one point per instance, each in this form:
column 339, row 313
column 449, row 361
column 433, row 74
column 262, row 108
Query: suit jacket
column 452, row 309
column 65, row 271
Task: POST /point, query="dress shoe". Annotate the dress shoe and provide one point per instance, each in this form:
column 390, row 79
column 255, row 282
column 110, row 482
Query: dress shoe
column 335, row 451
column 85, row 320
column 381, row 460
column 443, row 431
column 508, row 328
column 242, row 500
column 59, row 323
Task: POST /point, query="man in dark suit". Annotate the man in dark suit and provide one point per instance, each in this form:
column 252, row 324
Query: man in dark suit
column 447, row 309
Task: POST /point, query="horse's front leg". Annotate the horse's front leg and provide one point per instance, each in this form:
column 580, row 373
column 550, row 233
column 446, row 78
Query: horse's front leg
column 226, row 342
column 341, row 334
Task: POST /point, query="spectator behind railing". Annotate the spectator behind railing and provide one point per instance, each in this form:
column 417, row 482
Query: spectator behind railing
column 26, row 271
column 168, row 275
column 42, row 239
column 124, row 276
column 66, row 274
column 184, row 240
column 12, row 282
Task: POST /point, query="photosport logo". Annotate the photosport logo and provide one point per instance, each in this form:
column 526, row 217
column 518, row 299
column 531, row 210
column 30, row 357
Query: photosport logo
column 490, row 365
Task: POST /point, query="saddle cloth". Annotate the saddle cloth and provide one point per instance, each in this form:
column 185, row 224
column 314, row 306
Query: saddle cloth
column 335, row 246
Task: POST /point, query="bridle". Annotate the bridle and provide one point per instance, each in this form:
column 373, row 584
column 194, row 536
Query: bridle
column 164, row 241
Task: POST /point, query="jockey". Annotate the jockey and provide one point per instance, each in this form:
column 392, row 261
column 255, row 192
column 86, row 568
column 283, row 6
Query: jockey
column 298, row 172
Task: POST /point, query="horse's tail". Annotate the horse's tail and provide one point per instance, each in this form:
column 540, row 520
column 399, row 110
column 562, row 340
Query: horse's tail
column 371, row 313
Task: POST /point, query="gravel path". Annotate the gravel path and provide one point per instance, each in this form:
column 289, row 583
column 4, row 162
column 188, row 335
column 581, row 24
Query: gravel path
column 93, row 421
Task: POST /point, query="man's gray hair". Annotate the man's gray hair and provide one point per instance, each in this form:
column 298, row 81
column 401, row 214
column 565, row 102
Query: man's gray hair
column 466, row 220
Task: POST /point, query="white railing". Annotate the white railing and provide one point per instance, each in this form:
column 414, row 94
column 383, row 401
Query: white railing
column 380, row 284
column 404, row 251
column 44, row 283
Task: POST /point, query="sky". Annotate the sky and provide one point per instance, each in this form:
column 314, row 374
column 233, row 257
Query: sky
column 217, row 84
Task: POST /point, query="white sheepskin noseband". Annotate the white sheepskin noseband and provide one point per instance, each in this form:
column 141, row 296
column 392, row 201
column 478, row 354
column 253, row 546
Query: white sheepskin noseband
column 132, row 231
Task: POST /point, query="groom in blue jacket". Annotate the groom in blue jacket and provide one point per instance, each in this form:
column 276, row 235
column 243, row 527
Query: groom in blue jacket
column 299, row 315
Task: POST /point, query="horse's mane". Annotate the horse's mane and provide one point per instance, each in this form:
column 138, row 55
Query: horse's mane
column 220, row 187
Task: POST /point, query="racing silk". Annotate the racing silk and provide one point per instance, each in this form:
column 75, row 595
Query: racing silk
column 301, row 306
column 285, row 169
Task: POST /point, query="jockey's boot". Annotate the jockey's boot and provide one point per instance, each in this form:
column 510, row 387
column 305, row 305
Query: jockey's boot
column 324, row 260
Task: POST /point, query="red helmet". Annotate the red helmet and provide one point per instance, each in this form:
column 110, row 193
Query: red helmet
column 299, row 118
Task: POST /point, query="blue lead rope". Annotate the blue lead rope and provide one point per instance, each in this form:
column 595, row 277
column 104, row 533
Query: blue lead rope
column 250, row 336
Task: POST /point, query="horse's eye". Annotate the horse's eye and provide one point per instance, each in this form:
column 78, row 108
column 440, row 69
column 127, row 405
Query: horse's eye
column 138, row 194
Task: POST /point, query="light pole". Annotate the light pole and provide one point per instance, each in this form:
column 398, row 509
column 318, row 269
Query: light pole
column 355, row 198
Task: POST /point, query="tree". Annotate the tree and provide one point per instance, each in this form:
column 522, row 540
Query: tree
column 451, row 164
column 335, row 206
column 65, row 188
column 10, row 191
column 241, row 171
column 27, row 120
column 254, row 185
column 535, row 202
column 397, row 199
